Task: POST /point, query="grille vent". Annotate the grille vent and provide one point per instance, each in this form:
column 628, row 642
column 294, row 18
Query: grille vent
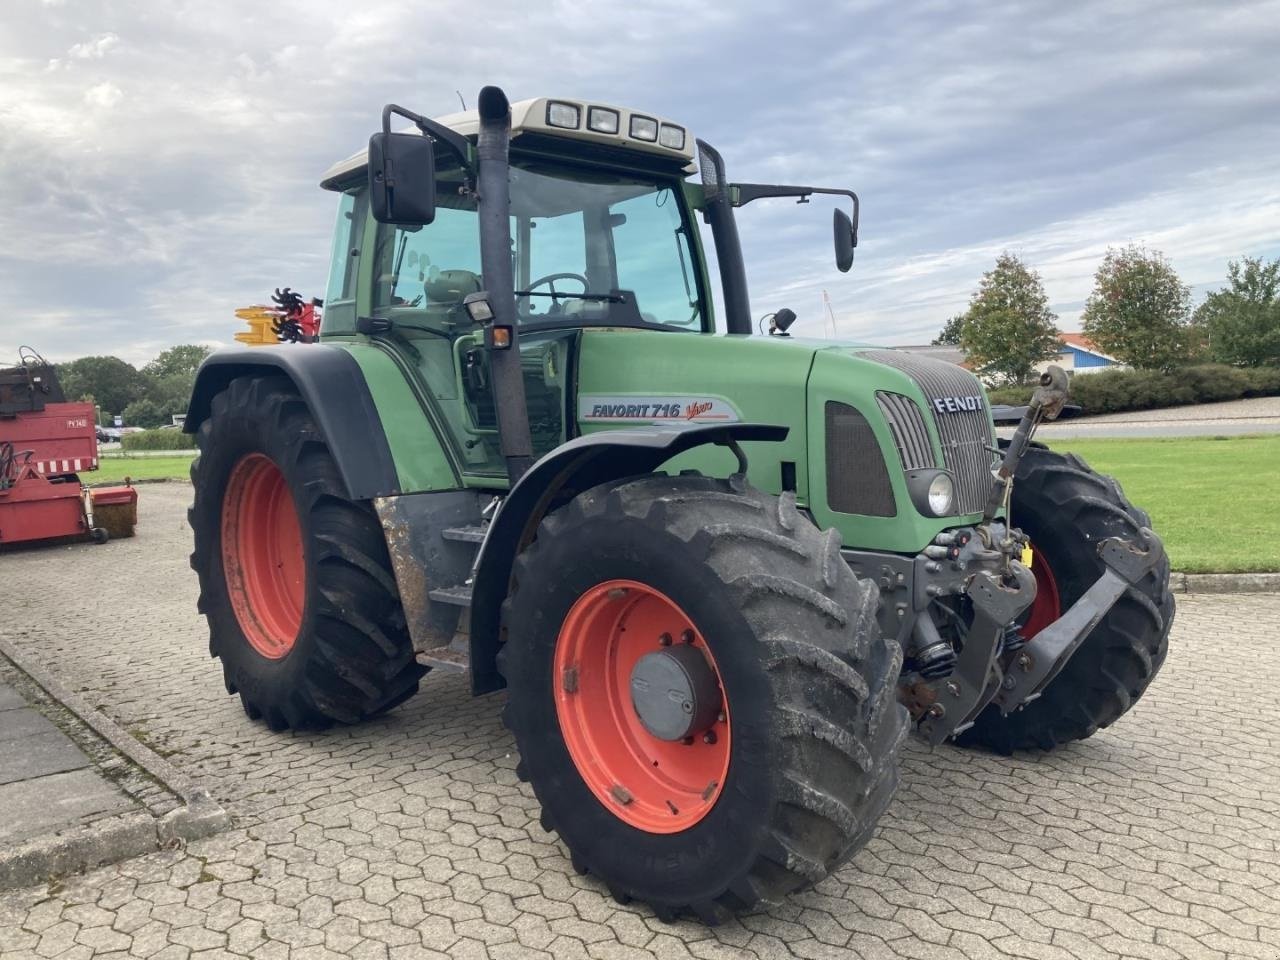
column 906, row 422
column 965, row 435
column 857, row 478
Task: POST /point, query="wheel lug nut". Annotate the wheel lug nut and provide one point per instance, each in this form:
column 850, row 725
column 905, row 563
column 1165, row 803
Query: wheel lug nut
column 686, row 636
column 720, row 717
column 664, row 640
column 687, row 741
column 709, row 737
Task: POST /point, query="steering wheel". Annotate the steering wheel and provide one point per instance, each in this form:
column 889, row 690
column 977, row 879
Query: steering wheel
column 550, row 281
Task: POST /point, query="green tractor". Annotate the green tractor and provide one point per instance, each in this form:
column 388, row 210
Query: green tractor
column 719, row 574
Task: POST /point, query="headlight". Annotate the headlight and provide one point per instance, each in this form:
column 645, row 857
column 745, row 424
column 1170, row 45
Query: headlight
column 941, row 493
column 932, row 491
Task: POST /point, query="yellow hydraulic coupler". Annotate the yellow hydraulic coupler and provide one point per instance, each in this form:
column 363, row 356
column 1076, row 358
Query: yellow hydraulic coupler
column 260, row 320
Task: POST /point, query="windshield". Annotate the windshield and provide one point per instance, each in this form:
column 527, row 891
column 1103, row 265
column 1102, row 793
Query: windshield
column 589, row 248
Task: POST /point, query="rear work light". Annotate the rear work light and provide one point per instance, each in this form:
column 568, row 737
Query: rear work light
column 566, row 115
column 672, row 136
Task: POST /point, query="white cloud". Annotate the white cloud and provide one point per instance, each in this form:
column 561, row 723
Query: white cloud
column 161, row 180
column 105, row 95
column 94, row 49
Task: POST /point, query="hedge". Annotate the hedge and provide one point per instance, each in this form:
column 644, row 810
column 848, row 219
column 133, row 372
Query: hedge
column 1115, row 391
column 158, row 440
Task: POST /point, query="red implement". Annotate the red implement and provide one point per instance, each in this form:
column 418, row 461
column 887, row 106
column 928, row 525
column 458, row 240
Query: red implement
column 42, row 451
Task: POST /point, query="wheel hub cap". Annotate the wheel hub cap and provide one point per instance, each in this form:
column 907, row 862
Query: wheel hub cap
column 674, row 692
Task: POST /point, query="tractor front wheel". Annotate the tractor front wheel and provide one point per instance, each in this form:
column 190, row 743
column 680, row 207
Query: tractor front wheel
column 295, row 580
column 699, row 693
column 1067, row 509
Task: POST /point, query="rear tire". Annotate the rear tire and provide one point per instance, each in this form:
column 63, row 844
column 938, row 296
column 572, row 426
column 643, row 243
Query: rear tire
column 809, row 690
column 1066, row 508
column 349, row 656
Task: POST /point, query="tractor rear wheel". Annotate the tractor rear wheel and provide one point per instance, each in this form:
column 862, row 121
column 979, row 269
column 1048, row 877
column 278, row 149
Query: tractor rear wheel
column 699, row 692
column 1067, row 509
column 295, row 581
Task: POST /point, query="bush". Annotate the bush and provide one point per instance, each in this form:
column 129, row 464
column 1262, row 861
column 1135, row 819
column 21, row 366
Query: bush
column 1116, row 391
column 1014, row 396
column 158, row 440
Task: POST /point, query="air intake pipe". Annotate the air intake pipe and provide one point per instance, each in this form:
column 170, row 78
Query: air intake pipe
column 494, row 188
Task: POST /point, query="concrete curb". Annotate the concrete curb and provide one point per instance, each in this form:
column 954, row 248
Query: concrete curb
column 1225, row 582
column 112, row 838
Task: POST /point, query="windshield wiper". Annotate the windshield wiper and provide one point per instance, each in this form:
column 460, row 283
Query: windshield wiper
column 595, row 297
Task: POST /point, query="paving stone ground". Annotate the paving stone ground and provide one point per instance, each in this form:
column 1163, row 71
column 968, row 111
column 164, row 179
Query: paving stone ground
column 411, row 837
column 46, row 781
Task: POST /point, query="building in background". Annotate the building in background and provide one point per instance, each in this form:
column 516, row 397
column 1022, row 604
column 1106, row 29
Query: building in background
column 1081, row 355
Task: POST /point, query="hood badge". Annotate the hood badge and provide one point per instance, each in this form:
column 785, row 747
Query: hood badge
column 957, row 404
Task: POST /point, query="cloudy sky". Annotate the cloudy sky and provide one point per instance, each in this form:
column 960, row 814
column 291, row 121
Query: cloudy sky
column 159, row 159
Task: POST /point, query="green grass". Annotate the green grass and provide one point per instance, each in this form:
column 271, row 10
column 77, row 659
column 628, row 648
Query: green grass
column 114, row 470
column 1211, row 499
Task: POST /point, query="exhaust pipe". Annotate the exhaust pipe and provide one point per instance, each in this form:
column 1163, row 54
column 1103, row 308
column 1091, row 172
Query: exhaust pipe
column 494, row 188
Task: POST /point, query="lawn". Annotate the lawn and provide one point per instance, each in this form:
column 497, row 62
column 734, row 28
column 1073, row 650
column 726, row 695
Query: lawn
column 1211, row 499
column 115, row 469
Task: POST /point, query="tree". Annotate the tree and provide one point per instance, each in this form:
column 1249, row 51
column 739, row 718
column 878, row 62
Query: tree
column 950, row 333
column 1242, row 320
column 182, row 360
column 145, row 413
column 1140, row 311
column 1009, row 327
column 108, row 381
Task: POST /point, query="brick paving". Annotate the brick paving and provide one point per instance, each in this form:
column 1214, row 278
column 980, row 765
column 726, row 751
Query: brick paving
column 411, row 837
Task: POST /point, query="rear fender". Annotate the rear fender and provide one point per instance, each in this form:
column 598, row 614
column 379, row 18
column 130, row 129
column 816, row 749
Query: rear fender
column 334, row 388
column 572, row 467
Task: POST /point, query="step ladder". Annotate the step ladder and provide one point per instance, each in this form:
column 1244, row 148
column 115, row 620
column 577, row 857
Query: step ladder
column 454, row 657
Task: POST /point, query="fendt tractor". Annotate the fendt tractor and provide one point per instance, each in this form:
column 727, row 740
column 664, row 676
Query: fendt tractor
column 718, row 573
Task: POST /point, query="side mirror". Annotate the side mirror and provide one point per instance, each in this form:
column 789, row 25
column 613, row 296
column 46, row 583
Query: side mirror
column 842, row 227
column 402, row 178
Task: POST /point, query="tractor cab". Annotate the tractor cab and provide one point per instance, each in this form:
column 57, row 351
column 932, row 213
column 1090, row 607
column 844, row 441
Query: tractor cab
column 602, row 235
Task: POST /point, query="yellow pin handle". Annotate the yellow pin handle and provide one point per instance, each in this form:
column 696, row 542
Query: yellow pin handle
column 1027, row 555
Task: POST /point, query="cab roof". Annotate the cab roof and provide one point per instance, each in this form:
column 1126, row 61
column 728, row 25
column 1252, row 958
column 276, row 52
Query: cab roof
column 643, row 132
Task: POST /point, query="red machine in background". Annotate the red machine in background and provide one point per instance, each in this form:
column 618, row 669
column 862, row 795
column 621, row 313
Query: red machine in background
column 45, row 443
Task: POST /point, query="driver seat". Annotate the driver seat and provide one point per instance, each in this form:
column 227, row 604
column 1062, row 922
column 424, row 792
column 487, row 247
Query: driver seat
column 448, row 288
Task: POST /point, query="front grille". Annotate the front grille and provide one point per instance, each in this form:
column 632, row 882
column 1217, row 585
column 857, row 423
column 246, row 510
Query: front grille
column 965, row 434
column 857, row 478
column 906, row 422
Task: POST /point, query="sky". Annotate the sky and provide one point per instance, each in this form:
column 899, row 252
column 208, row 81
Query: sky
column 160, row 159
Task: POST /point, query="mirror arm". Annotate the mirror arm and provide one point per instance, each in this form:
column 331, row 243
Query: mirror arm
column 744, row 193
column 436, row 131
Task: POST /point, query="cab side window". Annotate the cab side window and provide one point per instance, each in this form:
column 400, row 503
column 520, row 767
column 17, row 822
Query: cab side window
column 344, row 263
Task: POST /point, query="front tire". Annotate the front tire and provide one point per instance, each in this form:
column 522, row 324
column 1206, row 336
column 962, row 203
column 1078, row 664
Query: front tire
column 1067, row 509
column 802, row 757
column 295, row 580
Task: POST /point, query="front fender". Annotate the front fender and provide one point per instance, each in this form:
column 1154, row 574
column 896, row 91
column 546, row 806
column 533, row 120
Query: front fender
column 334, row 388
column 572, row 467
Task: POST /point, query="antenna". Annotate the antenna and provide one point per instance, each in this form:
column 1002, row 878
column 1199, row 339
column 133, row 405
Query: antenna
column 460, row 100
column 830, row 314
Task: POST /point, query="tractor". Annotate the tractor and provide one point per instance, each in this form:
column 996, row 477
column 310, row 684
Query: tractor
column 720, row 574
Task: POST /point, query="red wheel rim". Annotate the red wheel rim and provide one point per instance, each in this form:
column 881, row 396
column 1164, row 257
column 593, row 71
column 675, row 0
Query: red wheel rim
column 1047, row 607
column 654, row 785
column 262, row 556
